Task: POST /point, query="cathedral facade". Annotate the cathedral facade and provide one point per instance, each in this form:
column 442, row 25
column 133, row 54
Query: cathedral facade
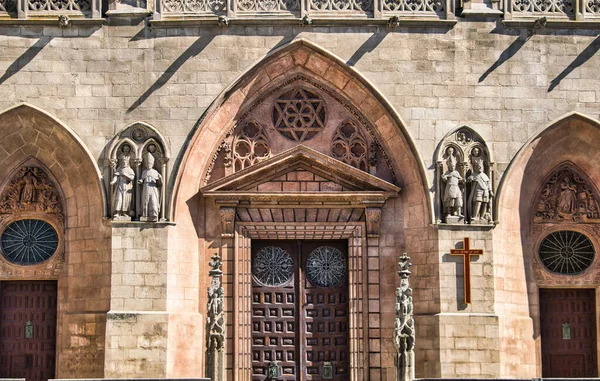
column 225, row 189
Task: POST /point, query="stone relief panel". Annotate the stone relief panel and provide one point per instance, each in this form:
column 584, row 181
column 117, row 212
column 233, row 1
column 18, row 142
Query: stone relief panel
column 567, row 195
column 566, row 224
column 300, row 111
column 135, row 175
column 31, row 225
column 464, row 179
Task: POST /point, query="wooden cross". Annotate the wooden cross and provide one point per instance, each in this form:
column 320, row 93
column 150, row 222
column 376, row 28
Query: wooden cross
column 466, row 252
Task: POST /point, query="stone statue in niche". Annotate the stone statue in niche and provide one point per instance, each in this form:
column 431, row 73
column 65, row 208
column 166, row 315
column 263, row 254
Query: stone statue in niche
column 151, row 181
column 137, row 183
column 123, row 181
column 453, row 196
column 481, row 194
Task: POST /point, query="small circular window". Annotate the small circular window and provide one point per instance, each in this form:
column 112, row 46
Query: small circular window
column 567, row 252
column 29, row 242
column 272, row 266
column 326, row 267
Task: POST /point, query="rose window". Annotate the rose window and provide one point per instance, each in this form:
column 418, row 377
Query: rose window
column 299, row 115
column 326, row 267
column 566, row 252
column 29, row 242
column 272, row 266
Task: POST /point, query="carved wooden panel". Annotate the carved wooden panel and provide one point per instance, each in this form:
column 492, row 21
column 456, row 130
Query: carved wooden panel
column 303, row 341
column 28, row 330
column 568, row 331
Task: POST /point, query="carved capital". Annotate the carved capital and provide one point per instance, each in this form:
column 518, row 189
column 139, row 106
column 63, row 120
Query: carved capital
column 373, row 220
column 227, row 221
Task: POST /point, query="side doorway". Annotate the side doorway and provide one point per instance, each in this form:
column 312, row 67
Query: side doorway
column 568, row 333
column 28, row 329
column 300, row 310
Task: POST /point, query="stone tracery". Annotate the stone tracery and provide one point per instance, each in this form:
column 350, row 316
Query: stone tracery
column 350, row 146
column 299, row 114
column 250, row 146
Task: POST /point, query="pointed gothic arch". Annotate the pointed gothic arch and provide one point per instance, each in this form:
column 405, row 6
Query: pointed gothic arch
column 564, row 143
column 205, row 226
column 32, row 137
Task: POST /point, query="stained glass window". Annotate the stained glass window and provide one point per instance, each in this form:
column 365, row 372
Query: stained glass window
column 28, row 242
column 567, row 252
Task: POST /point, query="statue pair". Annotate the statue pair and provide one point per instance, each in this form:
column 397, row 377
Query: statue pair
column 479, row 198
column 124, row 180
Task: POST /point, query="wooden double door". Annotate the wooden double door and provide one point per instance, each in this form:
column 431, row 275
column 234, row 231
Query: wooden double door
column 28, row 329
column 568, row 333
column 300, row 311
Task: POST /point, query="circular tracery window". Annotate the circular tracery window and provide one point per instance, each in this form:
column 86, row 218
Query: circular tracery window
column 29, row 242
column 272, row 266
column 299, row 115
column 566, row 252
column 326, row 267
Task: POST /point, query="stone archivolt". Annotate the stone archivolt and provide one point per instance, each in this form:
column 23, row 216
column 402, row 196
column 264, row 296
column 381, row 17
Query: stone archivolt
column 567, row 195
column 30, row 190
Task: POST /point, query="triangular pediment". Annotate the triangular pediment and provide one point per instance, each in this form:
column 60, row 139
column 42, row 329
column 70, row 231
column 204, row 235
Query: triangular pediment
column 301, row 172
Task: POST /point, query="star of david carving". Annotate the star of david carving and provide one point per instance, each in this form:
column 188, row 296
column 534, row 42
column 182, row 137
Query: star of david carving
column 299, row 115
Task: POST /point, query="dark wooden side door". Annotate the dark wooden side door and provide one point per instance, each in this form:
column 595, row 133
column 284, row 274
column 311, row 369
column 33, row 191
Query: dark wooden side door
column 300, row 310
column 568, row 333
column 28, row 330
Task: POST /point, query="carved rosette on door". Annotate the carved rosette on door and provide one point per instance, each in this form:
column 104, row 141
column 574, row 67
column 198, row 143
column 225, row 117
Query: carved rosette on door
column 307, row 340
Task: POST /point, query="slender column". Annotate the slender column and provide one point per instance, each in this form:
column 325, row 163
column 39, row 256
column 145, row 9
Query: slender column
column 404, row 328
column 163, row 189
column 215, row 323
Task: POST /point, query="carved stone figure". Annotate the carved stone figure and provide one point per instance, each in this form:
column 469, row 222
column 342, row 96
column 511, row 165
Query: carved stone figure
column 151, row 180
column 404, row 326
column 30, row 190
column 481, row 194
column 215, row 323
column 123, row 181
column 453, row 196
column 567, row 195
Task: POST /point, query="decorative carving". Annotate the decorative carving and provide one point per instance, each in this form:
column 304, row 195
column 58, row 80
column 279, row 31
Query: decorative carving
column 195, row 6
column 306, row 20
column 227, row 221
column 267, row 5
column 30, row 190
column 464, row 179
column 404, row 326
column 593, row 6
column 373, row 221
column 341, row 5
column 123, row 182
column 425, row 6
column 8, row 6
column 356, row 114
column 250, row 146
column 63, row 21
column 481, row 195
column 151, row 180
column 542, row 6
column 350, row 146
column 215, row 315
column 59, row 5
column 567, row 196
column 137, row 153
column 299, row 115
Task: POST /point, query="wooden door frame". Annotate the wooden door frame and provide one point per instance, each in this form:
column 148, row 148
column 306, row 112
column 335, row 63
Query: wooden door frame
column 357, row 298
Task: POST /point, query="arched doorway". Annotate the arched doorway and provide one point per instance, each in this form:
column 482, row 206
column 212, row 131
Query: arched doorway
column 303, row 149
column 548, row 206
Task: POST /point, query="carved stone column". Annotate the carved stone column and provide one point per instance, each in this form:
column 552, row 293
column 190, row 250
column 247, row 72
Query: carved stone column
column 404, row 328
column 163, row 189
column 215, row 323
